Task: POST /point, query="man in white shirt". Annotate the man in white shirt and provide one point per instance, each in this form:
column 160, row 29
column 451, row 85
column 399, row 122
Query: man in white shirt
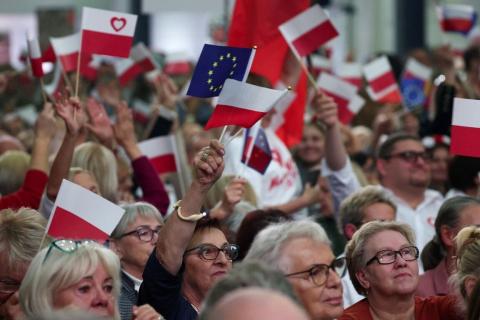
column 404, row 172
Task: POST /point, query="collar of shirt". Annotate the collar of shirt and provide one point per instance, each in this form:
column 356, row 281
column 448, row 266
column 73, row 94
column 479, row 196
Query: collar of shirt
column 136, row 282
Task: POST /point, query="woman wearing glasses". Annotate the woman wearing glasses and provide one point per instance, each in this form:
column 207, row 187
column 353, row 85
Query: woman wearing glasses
column 191, row 253
column 302, row 251
column 133, row 240
column 382, row 262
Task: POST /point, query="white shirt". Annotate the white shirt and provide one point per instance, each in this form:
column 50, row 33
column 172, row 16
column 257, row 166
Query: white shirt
column 422, row 218
column 454, row 193
column 281, row 181
column 350, row 294
column 136, row 282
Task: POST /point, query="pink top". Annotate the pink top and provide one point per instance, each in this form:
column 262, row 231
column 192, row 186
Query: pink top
column 434, row 282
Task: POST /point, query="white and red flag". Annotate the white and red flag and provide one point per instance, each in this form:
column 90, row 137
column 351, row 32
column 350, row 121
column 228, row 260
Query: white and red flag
column 54, row 87
column 465, row 130
column 162, row 153
column 320, row 64
column 460, row 18
column 308, row 30
column 350, row 72
column 177, row 64
column 242, row 104
column 140, row 61
column 35, row 57
column 343, row 93
column 66, row 49
column 79, row 213
column 107, row 33
column 382, row 86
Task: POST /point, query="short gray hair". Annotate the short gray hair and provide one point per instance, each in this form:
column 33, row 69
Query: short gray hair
column 268, row 243
column 57, row 271
column 243, row 275
column 355, row 251
column 21, row 233
column 352, row 208
column 132, row 212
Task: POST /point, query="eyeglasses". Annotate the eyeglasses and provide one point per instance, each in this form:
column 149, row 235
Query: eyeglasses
column 8, row 287
column 390, row 256
column 144, row 233
column 318, row 273
column 409, row 156
column 66, row 246
column 209, row 251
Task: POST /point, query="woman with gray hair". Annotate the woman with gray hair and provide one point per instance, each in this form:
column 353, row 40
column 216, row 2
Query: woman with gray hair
column 133, row 240
column 382, row 263
column 301, row 251
column 72, row 274
column 454, row 214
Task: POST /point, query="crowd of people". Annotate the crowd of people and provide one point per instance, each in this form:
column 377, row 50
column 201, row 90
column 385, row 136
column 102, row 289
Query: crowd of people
column 371, row 220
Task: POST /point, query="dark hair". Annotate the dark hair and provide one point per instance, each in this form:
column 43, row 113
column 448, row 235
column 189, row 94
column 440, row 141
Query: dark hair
column 471, row 54
column 448, row 215
column 253, row 223
column 462, row 172
column 388, row 145
column 473, row 308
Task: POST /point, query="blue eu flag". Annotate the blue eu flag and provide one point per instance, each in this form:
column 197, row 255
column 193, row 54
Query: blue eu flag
column 215, row 65
column 413, row 92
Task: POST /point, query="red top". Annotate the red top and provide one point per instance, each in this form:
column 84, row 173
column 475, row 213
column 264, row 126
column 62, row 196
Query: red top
column 431, row 308
column 29, row 194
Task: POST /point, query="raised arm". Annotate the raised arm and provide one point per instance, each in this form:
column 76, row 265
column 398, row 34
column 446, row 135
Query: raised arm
column 177, row 233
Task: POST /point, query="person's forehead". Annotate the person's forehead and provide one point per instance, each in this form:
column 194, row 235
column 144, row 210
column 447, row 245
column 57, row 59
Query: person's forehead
column 209, row 235
column 301, row 253
column 378, row 211
column 408, row 145
column 386, row 239
column 144, row 221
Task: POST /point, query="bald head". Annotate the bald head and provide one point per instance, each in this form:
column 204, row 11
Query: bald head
column 255, row 304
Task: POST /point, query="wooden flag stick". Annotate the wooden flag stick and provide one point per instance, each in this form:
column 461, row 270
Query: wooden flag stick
column 68, row 84
column 223, row 133
column 42, row 88
column 77, row 81
column 305, row 69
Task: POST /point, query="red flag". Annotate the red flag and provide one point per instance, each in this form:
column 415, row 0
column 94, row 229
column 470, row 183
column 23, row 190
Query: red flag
column 161, row 152
column 255, row 23
column 35, row 58
column 66, row 49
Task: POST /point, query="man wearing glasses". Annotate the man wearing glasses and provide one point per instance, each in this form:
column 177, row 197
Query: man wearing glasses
column 404, row 172
column 301, row 251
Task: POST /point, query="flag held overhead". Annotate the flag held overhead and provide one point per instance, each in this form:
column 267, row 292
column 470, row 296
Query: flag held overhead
column 465, row 130
column 161, row 152
column 215, row 65
column 66, row 50
column 458, row 18
column 35, row 57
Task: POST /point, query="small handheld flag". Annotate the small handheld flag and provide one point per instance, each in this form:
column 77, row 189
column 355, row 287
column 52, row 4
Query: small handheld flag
column 35, row 57
column 215, row 65
column 66, row 50
column 161, row 153
column 465, row 130
column 259, row 155
column 459, row 18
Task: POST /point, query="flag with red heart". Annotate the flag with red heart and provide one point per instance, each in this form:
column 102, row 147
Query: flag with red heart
column 107, row 33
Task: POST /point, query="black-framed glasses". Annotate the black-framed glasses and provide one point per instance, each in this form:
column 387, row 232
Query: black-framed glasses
column 409, row 156
column 409, row 253
column 8, row 287
column 66, row 246
column 143, row 233
column 208, row 251
column 319, row 273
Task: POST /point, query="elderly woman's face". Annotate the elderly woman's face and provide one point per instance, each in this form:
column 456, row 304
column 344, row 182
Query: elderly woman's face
column 201, row 274
column 94, row 293
column 397, row 278
column 321, row 302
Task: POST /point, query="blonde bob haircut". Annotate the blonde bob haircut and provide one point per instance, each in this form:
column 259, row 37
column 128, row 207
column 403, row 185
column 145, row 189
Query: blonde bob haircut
column 13, row 167
column 59, row 270
column 101, row 162
column 355, row 250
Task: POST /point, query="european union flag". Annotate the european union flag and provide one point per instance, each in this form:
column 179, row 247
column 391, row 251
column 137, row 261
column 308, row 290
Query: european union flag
column 413, row 91
column 215, row 65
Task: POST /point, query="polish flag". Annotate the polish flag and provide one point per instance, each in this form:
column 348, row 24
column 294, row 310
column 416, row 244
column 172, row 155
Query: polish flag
column 417, row 70
column 177, row 64
column 162, row 153
column 79, row 213
column 308, row 30
column 459, row 18
column 140, row 61
column 382, row 86
column 35, row 57
column 242, row 104
column 343, row 93
column 350, row 72
column 320, row 64
column 465, row 130
column 107, row 33
column 66, row 49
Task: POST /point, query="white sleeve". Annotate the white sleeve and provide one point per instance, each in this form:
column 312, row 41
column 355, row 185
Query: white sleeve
column 46, row 206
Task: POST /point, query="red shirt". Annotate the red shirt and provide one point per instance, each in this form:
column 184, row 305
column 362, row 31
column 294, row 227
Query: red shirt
column 431, row 308
column 29, row 194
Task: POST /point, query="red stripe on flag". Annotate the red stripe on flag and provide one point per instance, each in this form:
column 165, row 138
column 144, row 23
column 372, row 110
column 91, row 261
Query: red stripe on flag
column 164, row 164
column 66, row 224
column 177, row 68
column 465, row 141
column 314, row 38
column 344, row 114
column 130, row 74
column 460, row 25
column 146, row 64
column 382, row 82
column 229, row 115
column 69, row 61
column 36, row 67
column 393, row 97
column 357, row 82
column 106, row 44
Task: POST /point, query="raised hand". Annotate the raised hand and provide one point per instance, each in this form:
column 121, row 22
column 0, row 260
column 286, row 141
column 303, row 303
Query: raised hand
column 70, row 110
column 209, row 164
column 167, row 91
column 45, row 126
column 123, row 128
column 325, row 109
column 100, row 124
column 232, row 195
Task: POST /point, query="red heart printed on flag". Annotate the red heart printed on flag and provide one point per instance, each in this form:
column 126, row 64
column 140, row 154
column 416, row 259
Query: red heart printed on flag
column 118, row 23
